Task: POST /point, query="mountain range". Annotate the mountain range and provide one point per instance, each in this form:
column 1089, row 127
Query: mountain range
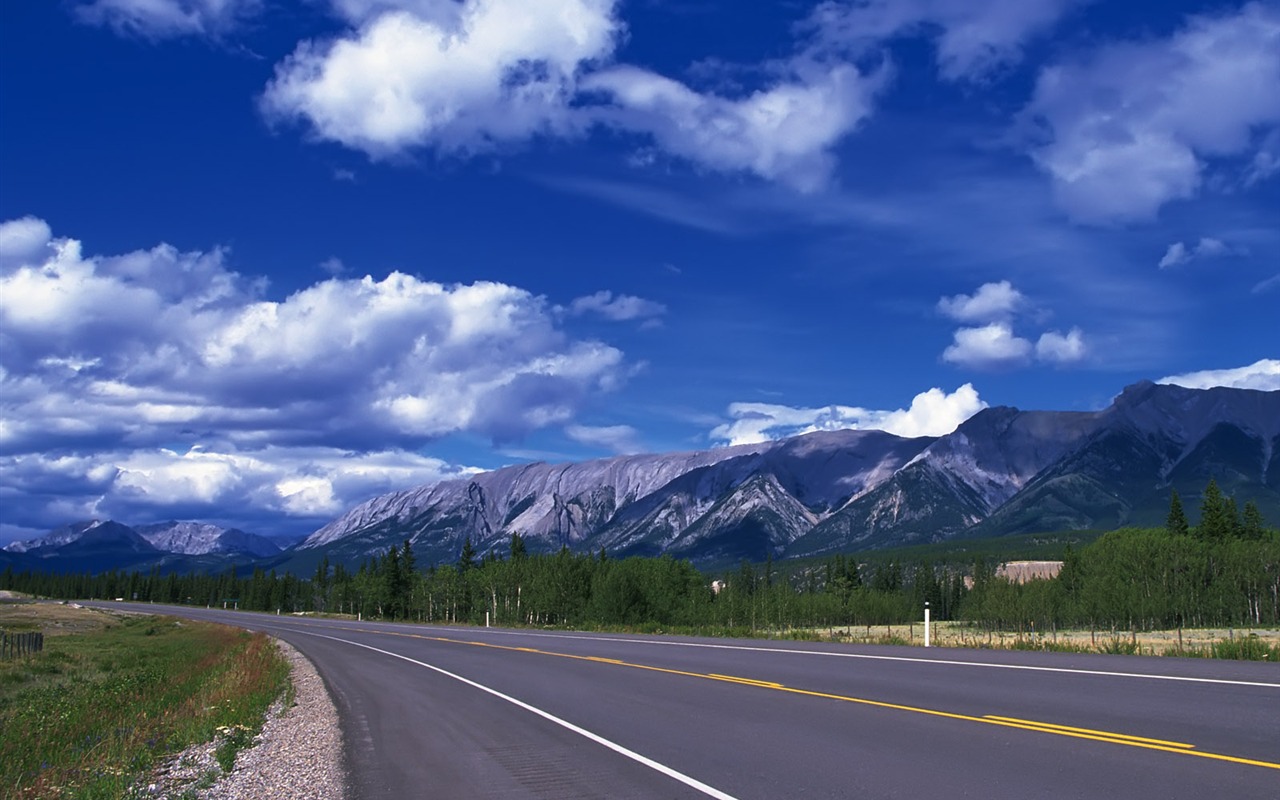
column 96, row 545
column 1004, row 471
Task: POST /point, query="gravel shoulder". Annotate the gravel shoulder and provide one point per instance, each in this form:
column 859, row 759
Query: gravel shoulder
column 298, row 754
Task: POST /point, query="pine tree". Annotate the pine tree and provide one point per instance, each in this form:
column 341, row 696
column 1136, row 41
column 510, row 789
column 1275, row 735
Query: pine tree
column 1252, row 527
column 518, row 549
column 888, row 578
column 1071, row 577
column 407, row 562
column 1232, row 513
column 1176, row 523
column 392, row 583
column 1215, row 522
column 746, row 578
column 408, row 580
column 467, row 560
column 321, row 584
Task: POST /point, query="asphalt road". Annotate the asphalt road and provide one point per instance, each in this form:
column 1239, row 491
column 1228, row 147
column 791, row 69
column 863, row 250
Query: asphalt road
column 434, row 712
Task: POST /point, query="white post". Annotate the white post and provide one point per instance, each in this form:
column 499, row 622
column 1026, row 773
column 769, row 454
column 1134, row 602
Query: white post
column 486, row 619
column 926, row 623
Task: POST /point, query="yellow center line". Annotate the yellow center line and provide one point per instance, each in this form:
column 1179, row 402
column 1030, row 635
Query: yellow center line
column 1107, row 737
column 747, row 681
column 1108, row 734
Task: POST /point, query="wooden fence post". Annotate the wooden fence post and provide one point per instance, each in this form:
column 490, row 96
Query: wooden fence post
column 13, row 645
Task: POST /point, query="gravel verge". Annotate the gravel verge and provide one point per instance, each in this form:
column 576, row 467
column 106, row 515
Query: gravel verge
column 298, row 754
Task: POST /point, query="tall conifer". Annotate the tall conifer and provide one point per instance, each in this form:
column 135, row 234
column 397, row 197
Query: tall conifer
column 1176, row 523
column 1215, row 517
column 1252, row 526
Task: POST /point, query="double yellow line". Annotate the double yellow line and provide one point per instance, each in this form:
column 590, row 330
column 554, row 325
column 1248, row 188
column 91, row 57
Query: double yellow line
column 1180, row 748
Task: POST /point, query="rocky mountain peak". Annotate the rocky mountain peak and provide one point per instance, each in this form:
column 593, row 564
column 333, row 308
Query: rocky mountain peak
column 837, row 490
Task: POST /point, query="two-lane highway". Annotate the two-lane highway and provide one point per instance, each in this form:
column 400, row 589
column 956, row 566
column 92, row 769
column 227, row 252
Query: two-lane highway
column 475, row 712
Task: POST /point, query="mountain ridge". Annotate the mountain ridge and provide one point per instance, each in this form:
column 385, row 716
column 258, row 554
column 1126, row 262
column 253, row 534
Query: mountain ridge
column 1002, row 471
column 117, row 544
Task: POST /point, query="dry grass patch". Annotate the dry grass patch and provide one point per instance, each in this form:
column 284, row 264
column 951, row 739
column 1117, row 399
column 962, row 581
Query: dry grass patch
column 1254, row 643
column 54, row 619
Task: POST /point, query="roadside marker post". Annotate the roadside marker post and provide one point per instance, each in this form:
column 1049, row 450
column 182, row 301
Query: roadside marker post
column 926, row 623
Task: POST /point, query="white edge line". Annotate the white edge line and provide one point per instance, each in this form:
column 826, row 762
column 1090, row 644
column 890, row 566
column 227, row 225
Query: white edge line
column 947, row 662
column 693, row 783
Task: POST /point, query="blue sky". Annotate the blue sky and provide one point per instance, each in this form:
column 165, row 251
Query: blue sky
column 261, row 260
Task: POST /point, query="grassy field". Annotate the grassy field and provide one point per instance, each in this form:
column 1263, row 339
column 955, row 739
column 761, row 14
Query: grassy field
column 111, row 696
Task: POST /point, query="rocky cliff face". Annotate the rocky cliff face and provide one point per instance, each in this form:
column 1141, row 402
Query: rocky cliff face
column 200, row 538
column 1002, row 471
column 728, row 501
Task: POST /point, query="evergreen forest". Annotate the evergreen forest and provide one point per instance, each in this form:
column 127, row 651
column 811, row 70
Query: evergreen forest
column 1225, row 571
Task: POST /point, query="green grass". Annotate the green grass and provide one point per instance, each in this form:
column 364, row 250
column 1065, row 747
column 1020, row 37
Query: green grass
column 93, row 713
column 1245, row 648
column 1242, row 648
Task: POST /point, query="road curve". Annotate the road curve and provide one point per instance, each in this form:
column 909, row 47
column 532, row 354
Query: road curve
column 437, row 712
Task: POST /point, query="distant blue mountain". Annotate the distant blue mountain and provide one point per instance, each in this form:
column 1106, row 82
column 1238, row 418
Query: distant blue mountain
column 99, row 545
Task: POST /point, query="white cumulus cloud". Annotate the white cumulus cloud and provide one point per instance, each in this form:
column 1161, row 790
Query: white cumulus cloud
column 784, row 132
column 992, row 301
column 160, row 346
column 467, row 77
column 995, row 345
column 161, row 383
column 1263, row 375
column 1055, row 347
column 23, row 240
column 1131, row 126
column 458, row 77
column 991, row 346
column 271, row 490
column 932, row 413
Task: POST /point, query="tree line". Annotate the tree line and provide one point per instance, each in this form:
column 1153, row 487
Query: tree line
column 1224, row 571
